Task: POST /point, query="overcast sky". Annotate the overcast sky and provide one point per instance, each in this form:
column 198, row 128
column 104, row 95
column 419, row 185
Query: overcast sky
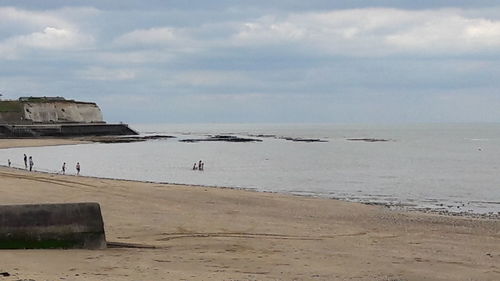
column 352, row 61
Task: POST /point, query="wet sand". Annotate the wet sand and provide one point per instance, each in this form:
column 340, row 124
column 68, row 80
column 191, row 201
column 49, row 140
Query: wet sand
column 176, row 232
column 11, row 143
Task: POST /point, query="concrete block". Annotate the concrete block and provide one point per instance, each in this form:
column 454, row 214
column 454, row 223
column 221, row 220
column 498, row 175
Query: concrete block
column 43, row 226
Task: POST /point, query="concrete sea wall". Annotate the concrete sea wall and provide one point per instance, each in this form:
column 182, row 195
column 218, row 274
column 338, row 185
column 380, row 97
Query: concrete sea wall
column 69, row 225
column 64, row 130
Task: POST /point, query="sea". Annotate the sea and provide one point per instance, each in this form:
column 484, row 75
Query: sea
column 452, row 168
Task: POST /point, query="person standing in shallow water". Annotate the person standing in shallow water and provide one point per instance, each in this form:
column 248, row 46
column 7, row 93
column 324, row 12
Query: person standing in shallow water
column 31, row 163
column 78, row 168
column 25, row 161
column 63, row 168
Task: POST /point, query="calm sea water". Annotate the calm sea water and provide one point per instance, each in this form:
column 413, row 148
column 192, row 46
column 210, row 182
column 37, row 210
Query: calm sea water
column 454, row 167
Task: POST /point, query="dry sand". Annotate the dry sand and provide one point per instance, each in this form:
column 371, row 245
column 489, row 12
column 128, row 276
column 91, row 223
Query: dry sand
column 197, row 233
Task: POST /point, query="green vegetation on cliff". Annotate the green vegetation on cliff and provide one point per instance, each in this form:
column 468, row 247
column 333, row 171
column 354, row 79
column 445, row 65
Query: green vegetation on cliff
column 10, row 106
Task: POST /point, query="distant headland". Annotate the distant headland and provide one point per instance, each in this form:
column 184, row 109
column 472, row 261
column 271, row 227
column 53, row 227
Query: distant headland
column 55, row 117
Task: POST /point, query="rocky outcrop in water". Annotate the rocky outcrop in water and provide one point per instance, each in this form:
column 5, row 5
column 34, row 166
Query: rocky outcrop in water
column 111, row 139
column 224, row 138
column 263, row 136
column 369, row 140
column 303, row 139
column 288, row 138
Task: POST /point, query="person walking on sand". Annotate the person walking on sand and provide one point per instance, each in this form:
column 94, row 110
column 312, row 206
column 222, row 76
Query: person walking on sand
column 63, row 168
column 78, row 168
column 31, row 163
column 25, row 161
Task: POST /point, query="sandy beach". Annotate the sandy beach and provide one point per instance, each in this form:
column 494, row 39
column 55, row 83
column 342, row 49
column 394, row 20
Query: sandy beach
column 176, row 232
column 11, row 143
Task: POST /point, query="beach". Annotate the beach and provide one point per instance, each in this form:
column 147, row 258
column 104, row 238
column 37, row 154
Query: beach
column 180, row 232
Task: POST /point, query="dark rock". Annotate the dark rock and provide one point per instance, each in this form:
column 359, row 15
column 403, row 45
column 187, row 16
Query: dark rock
column 263, row 136
column 112, row 139
column 303, row 139
column 226, row 138
column 156, row 137
column 369, row 140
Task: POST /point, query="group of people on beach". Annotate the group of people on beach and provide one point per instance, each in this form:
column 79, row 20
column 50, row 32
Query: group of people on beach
column 200, row 167
column 28, row 161
column 63, row 169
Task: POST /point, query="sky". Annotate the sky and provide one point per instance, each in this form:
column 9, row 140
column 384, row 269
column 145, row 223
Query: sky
column 227, row 61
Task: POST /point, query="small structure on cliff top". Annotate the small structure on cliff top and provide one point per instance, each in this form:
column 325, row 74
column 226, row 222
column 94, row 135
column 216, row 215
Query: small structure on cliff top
column 55, row 116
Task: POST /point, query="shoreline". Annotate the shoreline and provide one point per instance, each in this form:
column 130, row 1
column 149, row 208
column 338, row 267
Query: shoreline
column 389, row 206
column 174, row 232
column 40, row 142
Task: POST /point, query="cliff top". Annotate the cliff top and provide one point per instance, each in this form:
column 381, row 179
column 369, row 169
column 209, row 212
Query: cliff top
column 50, row 99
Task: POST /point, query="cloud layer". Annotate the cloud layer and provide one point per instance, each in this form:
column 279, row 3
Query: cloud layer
column 258, row 64
column 372, row 32
column 26, row 31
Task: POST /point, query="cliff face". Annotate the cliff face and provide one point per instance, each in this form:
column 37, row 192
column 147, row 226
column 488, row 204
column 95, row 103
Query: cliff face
column 32, row 117
column 46, row 110
column 62, row 112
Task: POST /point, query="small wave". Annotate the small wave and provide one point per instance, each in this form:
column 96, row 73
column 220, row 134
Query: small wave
column 485, row 202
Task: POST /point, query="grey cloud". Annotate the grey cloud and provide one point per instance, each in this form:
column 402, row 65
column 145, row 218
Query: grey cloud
column 258, row 4
column 294, row 64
